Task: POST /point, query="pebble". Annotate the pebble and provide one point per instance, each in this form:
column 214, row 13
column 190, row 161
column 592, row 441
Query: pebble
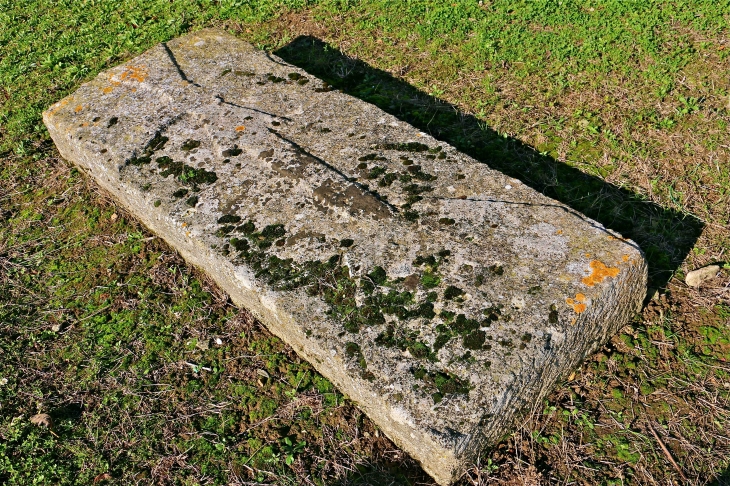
column 696, row 277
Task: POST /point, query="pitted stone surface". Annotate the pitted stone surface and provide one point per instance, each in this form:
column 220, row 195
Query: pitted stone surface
column 440, row 295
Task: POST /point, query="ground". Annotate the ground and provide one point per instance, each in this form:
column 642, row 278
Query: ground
column 150, row 376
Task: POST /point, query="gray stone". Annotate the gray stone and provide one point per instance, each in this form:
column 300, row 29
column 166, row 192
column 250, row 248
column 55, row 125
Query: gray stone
column 696, row 277
column 440, row 295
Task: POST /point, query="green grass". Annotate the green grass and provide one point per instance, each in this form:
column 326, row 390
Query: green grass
column 618, row 109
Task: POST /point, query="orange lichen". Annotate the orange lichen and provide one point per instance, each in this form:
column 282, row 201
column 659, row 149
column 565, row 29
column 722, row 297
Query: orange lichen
column 58, row 106
column 577, row 304
column 625, row 258
column 78, row 108
column 559, row 232
column 600, row 272
column 587, row 255
column 108, row 89
column 134, row 73
column 240, row 128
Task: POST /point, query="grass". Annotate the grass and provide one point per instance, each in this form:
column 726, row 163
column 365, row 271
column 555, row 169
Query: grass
column 150, row 375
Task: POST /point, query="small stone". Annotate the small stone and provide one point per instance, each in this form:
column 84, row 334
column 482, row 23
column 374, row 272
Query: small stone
column 696, row 277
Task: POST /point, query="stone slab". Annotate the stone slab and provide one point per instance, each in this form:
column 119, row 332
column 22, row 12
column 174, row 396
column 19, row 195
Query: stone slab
column 438, row 294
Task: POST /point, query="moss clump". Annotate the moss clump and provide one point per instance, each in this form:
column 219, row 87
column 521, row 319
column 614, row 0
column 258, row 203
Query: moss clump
column 273, row 231
column 192, row 201
column 346, row 243
column 275, row 79
column 247, row 228
column 475, row 340
column 387, row 179
column 367, row 157
column 496, row 269
column 405, row 147
column 453, row 293
column 463, row 325
column 417, row 173
column 447, row 221
column 229, row 218
column 410, row 216
column 141, row 160
column 460, row 325
column 440, row 384
column 190, row 145
column 375, row 172
column 352, row 349
column 430, row 280
column 157, row 143
column 240, row 245
column 404, row 339
column 180, row 193
column 185, row 173
column 492, row 313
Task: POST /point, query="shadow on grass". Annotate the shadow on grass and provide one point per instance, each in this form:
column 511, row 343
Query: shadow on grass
column 664, row 235
column 724, row 479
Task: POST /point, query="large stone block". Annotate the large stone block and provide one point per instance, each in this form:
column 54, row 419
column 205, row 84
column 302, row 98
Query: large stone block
column 438, row 294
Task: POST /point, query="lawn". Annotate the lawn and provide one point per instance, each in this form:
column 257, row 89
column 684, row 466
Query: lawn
column 149, row 375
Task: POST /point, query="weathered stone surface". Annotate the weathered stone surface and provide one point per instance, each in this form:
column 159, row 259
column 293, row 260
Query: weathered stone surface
column 440, row 295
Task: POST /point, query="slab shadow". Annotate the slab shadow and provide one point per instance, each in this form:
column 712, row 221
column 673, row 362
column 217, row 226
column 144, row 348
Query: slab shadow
column 723, row 479
column 665, row 235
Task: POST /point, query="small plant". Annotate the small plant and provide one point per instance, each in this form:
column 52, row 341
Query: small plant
column 291, row 449
column 689, row 105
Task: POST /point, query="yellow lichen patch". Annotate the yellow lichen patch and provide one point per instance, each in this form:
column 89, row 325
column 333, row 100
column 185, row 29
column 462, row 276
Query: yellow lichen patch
column 625, row 258
column 599, row 272
column 577, row 303
column 134, row 73
column 58, row 106
column 108, row 89
column 559, row 232
column 240, row 128
column 78, row 108
column 587, row 255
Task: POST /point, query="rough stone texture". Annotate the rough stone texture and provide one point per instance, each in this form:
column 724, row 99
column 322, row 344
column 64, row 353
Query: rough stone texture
column 440, row 295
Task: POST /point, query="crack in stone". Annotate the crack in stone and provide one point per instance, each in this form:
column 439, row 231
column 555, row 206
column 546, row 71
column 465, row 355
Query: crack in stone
column 342, row 175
